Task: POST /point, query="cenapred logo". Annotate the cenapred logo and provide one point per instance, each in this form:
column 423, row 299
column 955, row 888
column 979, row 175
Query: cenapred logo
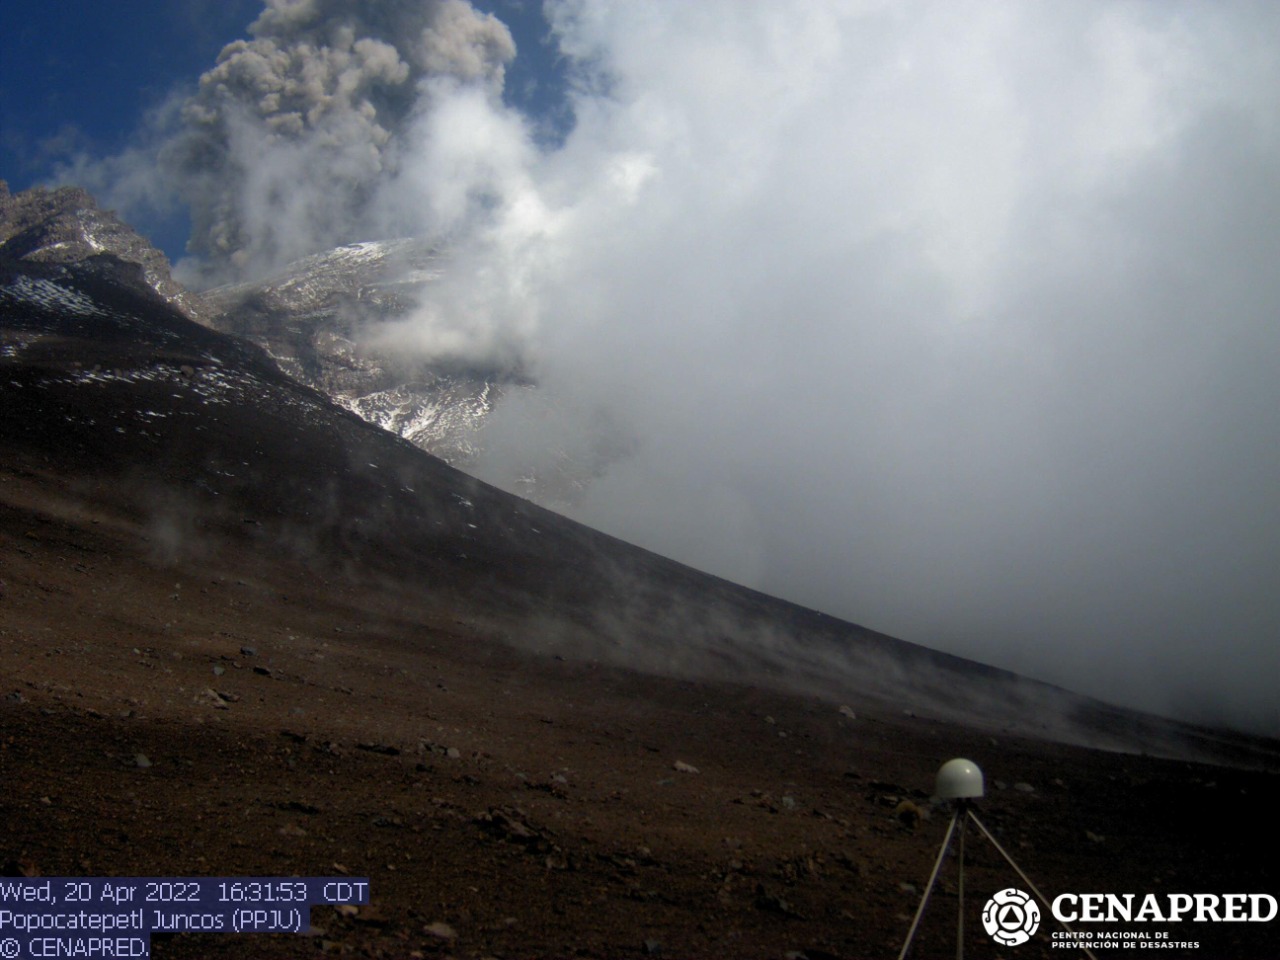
column 1011, row 917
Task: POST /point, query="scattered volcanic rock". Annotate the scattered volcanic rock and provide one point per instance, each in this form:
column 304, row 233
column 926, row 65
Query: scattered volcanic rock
column 134, row 444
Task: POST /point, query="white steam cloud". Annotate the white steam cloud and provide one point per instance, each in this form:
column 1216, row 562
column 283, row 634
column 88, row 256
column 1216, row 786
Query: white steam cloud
column 954, row 319
column 957, row 319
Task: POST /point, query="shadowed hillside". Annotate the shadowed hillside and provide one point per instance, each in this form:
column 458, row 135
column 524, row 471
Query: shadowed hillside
column 246, row 633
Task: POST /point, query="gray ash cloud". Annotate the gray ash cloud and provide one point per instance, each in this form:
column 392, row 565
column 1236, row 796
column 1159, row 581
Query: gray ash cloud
column 293, row 136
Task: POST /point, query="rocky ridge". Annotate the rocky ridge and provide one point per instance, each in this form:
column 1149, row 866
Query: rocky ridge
column 314, row 318
column 322, row 319
column 311, row 318
column 66, row 225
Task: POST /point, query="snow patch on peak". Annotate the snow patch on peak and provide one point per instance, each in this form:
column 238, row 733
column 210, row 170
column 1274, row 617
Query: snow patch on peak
column 49, row 295
column 444, row 416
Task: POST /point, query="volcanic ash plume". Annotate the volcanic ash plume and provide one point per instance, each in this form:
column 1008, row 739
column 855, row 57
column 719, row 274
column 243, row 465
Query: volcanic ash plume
column 293, row 133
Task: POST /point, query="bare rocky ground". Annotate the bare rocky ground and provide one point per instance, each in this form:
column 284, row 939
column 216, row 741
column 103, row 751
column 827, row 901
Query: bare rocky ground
column 243, row 633
column 510, row 804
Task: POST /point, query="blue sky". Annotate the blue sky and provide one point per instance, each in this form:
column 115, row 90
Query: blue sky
column 78, row 77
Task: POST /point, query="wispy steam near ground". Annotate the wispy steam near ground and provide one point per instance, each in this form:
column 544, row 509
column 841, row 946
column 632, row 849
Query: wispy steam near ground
column 955, row 319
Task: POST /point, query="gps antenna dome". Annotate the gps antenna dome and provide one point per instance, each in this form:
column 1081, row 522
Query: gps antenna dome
column 959, row 779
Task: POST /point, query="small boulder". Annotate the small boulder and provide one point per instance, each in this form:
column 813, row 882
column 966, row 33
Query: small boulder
column 441, row 931
column 908, row 814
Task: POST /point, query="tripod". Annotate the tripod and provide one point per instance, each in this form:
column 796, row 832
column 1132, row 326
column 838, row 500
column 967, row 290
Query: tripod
column 962, row 815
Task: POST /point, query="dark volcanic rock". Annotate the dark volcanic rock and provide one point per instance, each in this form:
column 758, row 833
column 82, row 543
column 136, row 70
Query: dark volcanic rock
column 318, row 319
column 67, row 225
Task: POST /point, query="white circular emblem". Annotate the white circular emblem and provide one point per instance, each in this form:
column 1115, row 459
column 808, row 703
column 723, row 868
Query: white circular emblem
column 1011, row 917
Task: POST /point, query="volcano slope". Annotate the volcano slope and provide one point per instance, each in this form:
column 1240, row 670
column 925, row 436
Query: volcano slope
column 243, row 633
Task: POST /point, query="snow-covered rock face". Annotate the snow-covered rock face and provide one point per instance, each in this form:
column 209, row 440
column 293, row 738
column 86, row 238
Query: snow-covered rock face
column 439, row 413
column 310, row 319
column 384, row 276
column 51, row 295
column 314, row 319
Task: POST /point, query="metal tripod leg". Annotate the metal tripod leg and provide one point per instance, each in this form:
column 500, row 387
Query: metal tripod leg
column 961, row 807
column 946, row 842
column 1025, row 879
